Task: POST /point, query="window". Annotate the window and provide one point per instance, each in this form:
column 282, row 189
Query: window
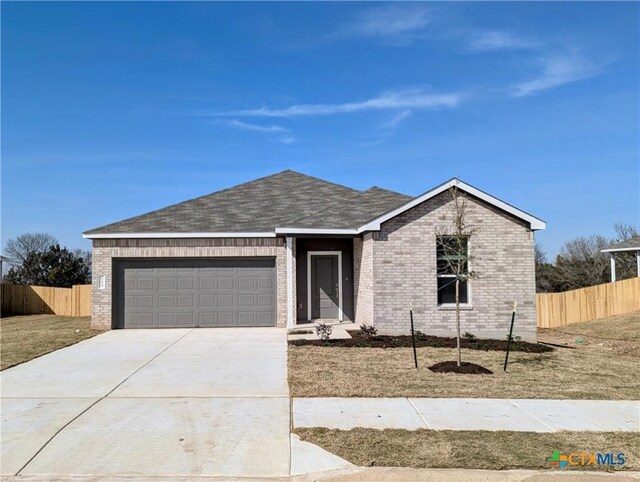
column 452, row 262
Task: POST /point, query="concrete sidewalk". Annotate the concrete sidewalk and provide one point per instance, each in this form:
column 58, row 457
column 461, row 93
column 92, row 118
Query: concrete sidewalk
column 467, row 414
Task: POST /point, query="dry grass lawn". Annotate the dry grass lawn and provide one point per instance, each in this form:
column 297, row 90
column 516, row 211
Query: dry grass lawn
column 469, row 449
column 587, row 371
column 619, row 335
column 25, row 337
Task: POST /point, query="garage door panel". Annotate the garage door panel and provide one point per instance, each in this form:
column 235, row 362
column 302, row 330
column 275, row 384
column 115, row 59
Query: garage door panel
column 166, row 301
column 247, row 283
column 145, row 284
column 185, row 283
column 206, row 301
column 225, row 283
column 265, row 283
column 144, row 319
column 265, row 318
column 225, row 300
column 207, row 283
column 246, row 318
column 225, row 318
column 192, row 293
column 248, row 299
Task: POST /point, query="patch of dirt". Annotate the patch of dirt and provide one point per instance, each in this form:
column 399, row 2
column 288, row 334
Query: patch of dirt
column 465, row 367
column 360, row 340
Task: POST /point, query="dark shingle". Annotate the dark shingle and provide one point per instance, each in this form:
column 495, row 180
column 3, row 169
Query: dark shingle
column 359, row 209
column 257, row 206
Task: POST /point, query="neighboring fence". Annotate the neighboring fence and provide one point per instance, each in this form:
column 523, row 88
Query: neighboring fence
column 31, row 300
column 585, row 304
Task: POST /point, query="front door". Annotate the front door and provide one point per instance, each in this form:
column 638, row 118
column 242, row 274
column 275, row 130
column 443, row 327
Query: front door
column 325, row 289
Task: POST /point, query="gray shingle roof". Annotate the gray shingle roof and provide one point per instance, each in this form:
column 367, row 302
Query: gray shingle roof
column 285, row 199
column 359, row 209
column 631, row 244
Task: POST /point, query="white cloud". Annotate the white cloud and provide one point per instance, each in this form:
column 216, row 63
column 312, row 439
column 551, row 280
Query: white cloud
column 388, row 22
column 497, row 40
column 396, row 120
column 287, row 139
column 559, row 70
column 255, row 127
column 392, row 100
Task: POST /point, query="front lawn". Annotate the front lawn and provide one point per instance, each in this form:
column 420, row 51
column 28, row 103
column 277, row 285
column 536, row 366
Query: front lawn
column 470, row 449
column 588, row 370
column 28, row 336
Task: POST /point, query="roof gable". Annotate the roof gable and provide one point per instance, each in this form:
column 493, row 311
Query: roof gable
column 374, row 224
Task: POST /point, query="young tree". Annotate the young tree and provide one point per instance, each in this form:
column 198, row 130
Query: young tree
column 55, row 267
column 453, row 253
column 17, row 250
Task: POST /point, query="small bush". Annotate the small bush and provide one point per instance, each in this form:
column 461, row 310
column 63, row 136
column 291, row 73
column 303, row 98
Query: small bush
column 324, row 331
column 368, row 330
column 513, row 338
column 420, row 335
column 469, row 336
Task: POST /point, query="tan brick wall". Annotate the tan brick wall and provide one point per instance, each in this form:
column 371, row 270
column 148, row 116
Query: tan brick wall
column 105, row 250
column 404, row 260
column 363, row 279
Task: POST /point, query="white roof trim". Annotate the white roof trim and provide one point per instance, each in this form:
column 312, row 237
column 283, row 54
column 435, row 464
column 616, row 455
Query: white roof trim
column 178, row 235
column 374, row 225
column 314, row 231
column 617, row 250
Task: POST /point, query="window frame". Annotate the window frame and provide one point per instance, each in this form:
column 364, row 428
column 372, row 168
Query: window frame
column 448, row 306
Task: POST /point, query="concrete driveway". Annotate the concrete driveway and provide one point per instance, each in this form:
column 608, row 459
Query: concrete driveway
column 152, row 402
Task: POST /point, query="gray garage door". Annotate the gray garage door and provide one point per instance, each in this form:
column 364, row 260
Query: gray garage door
column 195, row 293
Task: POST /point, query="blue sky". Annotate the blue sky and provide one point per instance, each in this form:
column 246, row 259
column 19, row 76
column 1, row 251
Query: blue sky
column 114, row 109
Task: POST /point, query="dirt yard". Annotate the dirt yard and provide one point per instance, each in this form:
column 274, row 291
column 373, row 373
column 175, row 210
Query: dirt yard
column 604, row 365
column 25, row 337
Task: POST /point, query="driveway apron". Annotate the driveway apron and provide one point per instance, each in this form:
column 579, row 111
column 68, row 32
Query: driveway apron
column 151, row 403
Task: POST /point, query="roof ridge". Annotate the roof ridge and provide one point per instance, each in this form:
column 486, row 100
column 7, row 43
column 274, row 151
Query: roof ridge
column 323, row 180
column 387, row 190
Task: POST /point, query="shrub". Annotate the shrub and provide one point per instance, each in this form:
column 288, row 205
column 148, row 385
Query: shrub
column 368, row 330
column 420, row 335
column 514, row 338
column 324, row 331
column 469, row 336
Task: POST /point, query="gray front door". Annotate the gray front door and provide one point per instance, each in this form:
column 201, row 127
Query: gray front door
column 191, row 293
column 324, row 286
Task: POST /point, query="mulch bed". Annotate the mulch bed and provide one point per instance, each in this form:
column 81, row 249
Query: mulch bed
column 359, row 340
column 465, row 367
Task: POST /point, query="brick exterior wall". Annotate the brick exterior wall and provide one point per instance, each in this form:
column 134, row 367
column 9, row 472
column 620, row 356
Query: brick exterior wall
column 404, row 270
column 105, row 250
column 363, row 278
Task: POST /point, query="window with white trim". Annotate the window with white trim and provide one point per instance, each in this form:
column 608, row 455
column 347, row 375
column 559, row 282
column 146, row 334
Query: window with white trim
column 452, row 258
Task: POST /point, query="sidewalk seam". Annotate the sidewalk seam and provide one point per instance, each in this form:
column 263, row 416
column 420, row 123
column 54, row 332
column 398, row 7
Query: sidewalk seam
column 419, row 414
column 532, row 415
column 96, row 402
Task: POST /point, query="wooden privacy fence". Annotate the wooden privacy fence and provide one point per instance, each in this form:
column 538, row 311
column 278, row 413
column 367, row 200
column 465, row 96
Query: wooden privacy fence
column 31, row 300
column 585, row 304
